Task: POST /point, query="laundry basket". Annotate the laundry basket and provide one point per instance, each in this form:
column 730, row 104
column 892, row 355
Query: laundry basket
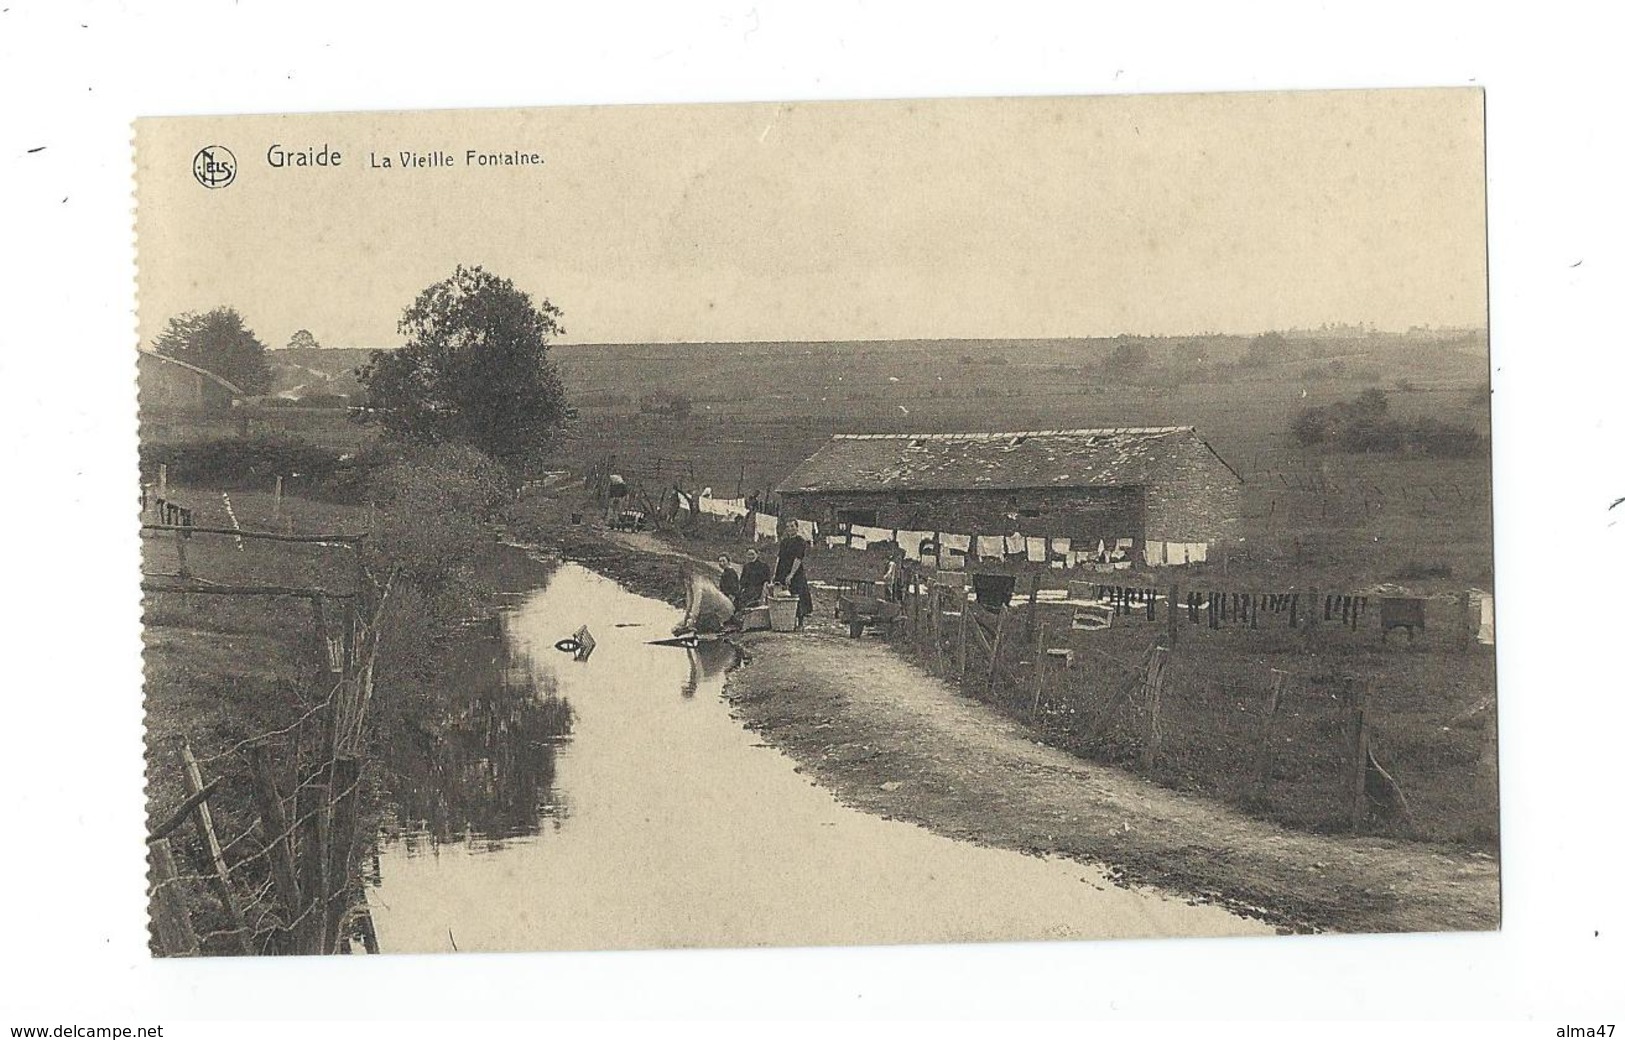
column 781, row 613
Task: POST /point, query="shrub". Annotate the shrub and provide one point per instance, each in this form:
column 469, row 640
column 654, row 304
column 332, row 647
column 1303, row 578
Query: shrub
column 234, row 463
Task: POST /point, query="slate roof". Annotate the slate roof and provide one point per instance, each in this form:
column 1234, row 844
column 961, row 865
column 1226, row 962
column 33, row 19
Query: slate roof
column 1108, row 457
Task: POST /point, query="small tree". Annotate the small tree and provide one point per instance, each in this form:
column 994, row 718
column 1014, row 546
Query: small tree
column 218, row 341
column 1130, row 356
column 303, row 340
column 474, row 370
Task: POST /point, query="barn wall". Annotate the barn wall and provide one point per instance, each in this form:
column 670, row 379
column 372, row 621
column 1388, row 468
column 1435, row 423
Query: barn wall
column 1195, row 498
column 168, row 387
column 1080, row 513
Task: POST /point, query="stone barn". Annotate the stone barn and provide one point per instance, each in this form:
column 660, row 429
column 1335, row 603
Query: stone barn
column 1159, row 484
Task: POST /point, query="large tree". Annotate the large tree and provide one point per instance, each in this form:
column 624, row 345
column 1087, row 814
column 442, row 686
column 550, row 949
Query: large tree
column 474, row 369
column 303, row 340
column 219, row 342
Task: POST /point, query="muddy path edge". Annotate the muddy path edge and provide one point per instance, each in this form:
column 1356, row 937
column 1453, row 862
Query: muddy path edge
column 961, row 769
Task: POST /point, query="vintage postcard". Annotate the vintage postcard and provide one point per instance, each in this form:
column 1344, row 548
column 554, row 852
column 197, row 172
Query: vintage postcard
column 817, row 523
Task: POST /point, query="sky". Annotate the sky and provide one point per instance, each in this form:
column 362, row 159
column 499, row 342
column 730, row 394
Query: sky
column 1161, row 215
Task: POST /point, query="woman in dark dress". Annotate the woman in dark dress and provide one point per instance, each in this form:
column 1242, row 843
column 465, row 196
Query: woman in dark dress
column 752, row 579
column 791, row 569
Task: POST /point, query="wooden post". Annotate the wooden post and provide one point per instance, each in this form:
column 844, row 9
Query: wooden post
column 274, row 827
column 1469, row 630
column 311, row 824
column 998, row 643
column 1032, row 608
column 936, row 623
column 171, row 924
column 1359, row 690
column 1156, row 674
column 1038, row 666
column 964, row 626
column 180, row 554
column 276, row 500
column 221, row 879
column 341, row 843
column 1264, row 762
column 163, row 480
column 1173, row 615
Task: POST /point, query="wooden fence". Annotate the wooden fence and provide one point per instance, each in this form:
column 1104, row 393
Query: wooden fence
column 262, row 855
column 1311, row 737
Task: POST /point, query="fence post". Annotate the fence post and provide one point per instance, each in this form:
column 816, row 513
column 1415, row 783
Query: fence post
column 341, row 842
column 1359, row 751
column 1264, row 764
column 1038, row 666
column 1173, row 615
column 1469, row 631
column 1032, row 608
column 936, row 623
column 221, row 879
column 276, row 500
column 310, row 822
column 964, row 627
column 278, row 837
column 1156, row 673
column 993, row 651
column 171, row 924
column 163, row 480
column 180, row 554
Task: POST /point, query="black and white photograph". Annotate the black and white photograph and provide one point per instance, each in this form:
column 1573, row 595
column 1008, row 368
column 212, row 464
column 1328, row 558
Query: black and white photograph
column 794, row 524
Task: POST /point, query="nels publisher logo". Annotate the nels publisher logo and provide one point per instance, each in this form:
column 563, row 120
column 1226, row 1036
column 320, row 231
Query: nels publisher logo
column 214, row 166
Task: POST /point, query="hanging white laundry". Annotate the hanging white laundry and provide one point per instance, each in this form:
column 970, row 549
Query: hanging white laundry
column 990, row 546
column 1196, row 552
column 806, row 529
column 1061, row 548
column 956, row 544
column 871, row 534
column 767, row 526
column 1037, row 551
column 1156, row 553
column 1486, row 619
column 1014, row 544
column 909, row 542
column 1125, row 543
column 859, row 542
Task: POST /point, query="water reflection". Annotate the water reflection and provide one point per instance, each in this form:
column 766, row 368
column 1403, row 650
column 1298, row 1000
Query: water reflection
column 707, row 661
column 483, row 771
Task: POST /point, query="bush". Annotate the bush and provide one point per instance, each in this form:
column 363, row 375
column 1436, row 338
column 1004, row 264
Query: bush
column 1363, row 425
column 432, row 504
column 235, row 463
column 440, row 479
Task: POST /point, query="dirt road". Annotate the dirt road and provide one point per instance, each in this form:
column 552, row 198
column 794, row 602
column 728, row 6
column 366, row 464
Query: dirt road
column 890, row 739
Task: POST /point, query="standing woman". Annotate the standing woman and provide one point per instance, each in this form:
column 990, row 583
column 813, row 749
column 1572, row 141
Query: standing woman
column 791, row 569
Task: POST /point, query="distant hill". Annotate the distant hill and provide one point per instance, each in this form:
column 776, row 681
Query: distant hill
column 299, row 372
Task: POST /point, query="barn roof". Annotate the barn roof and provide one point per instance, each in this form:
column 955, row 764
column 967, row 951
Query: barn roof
column 1106, row 457
column 226, row 384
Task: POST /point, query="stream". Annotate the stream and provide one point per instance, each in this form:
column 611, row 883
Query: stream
column 614, row 803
